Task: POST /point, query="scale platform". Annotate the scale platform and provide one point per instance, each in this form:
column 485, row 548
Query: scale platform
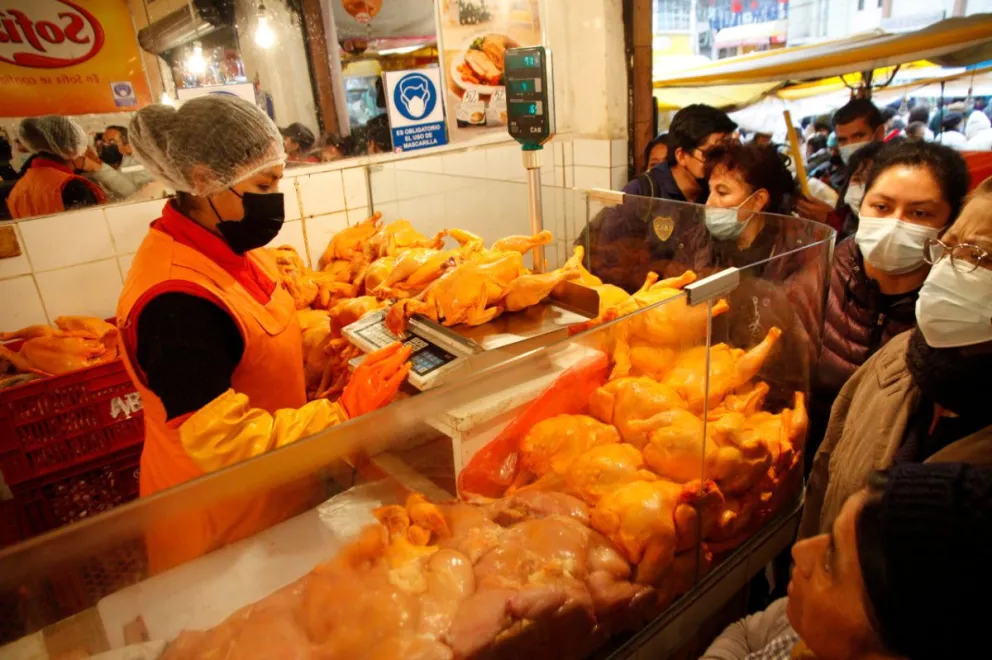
column 439, row 351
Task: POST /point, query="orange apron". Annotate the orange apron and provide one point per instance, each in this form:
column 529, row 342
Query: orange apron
column 39, row 191
column 270, row 374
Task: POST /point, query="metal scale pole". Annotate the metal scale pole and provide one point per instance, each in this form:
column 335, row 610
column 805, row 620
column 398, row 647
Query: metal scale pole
column 532, row 163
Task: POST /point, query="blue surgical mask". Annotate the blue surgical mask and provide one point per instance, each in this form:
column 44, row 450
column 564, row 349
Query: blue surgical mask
column 724, row 223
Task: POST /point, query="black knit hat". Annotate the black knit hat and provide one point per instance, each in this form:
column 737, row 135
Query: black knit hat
column 925, row 549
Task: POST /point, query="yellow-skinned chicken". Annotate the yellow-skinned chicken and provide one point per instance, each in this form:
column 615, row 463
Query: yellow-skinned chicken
column 624, row 401
column 521, row 244
column 398, row 236
column 649, row 521
column 351, row 241
column 551, row 446
column 530, row 289
column 600, row 470
column 730, row 368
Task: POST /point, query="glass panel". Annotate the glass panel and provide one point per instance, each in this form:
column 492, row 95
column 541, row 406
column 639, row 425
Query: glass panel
column 659, row 421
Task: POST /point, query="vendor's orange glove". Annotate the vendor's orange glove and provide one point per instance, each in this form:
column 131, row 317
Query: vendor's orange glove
column 376, row 380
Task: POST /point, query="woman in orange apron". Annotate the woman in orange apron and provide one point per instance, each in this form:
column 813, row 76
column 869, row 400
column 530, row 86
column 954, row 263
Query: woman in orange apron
column 210, row 339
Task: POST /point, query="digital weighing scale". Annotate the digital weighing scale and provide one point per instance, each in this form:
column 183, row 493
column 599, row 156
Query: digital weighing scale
column 439, row 351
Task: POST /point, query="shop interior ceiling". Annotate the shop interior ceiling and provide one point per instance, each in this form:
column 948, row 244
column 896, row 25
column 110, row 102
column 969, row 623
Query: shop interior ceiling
column 814, row 70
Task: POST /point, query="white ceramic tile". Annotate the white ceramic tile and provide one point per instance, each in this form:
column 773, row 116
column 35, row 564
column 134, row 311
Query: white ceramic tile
column 383, row 184
column 618, row 153
column 291, row 234
column 416, row 184
column 509, row 208
column 430, row 164
column 320, row 229
column 426, row 213
column 467, row 209
column 124, row 261
column 465, row 163
column 594, row 153
column 618, row 177
column 66, row 239
column 567, row 153
column 557, row 154
column 558, row 180
column 21, row 304
column 291, row 200
column 357, row 215
column 588, row 178
column 390, row 211
column 356, row 191
column 89, row 289
column 569, row 176
column 129, row 223
column 321, row 193
column 14, row 266
column 504, row 164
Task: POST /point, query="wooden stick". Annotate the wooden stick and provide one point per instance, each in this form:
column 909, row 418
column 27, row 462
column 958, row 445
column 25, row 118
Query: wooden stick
column 797, row 156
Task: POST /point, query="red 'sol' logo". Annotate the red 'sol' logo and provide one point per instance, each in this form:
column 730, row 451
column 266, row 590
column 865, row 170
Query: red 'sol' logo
column 48, row 34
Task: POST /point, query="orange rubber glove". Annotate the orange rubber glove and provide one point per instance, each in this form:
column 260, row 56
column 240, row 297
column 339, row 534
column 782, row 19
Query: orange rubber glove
column 376, row 380
column 228, row 430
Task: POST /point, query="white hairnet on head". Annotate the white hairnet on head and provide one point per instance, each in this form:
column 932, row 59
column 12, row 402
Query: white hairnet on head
column 210, row 143
column 52, row 134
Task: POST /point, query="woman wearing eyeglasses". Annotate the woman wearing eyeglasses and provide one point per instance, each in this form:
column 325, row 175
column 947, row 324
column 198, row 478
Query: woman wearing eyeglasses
column 925, row 396
column 912, row 192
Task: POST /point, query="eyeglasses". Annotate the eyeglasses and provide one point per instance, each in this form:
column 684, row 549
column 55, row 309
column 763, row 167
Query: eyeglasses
column 965, row 258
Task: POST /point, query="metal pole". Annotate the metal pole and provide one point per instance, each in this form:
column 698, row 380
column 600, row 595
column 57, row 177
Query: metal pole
column 532, row 162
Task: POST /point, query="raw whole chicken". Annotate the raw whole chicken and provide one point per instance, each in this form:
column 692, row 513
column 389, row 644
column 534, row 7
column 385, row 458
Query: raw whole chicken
column 348, row 243
column 78, row 342
column 398, row 236
column 625, row 401
column 530, row 289
column 551, row 446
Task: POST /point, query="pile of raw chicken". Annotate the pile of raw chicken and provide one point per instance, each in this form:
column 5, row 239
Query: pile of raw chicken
column 76, row 342
column 601, row 515
column 369, row 267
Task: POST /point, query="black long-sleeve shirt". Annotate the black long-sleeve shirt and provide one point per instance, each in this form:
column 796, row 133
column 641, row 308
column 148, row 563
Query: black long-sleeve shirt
column 188, row 348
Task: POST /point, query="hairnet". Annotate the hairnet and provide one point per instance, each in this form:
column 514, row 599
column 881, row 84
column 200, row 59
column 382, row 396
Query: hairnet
column 59, row 136
column 210, row 143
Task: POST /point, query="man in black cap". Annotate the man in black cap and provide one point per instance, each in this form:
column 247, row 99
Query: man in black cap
column 297, row 139
column 903, row 573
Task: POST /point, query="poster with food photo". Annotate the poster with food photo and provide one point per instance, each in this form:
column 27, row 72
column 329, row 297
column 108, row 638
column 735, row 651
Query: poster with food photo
column 476, row 35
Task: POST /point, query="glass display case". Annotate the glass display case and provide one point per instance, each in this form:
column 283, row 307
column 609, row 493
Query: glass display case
column 563, row 500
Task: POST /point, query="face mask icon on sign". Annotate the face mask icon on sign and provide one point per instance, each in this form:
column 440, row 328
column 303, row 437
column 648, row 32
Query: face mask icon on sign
column 416, row 95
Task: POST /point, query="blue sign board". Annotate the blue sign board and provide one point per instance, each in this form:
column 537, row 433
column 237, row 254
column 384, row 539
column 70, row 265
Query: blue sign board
column 731, row 13
column 416, row 115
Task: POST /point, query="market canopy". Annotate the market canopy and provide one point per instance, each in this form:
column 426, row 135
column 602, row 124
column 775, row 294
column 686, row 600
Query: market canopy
column 951, row 42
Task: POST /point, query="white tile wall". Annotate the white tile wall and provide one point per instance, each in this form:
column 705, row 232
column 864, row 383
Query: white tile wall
column 19, row 265
column 320, row 229
column 129, row 223
column 321, row 193
column 21, row 304
column 465, row 163
column 618, row 177
column 587, row 178
column 68, row 238
column 618, row 153
column 504, row 164
column 428, row 164
column 89, row 289
column 356, row 192
column 357, row 215
column 383, row 180
column 291, row 200
column 594, row 153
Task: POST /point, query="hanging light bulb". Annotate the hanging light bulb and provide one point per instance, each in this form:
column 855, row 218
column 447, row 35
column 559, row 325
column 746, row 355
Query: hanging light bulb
column 168, row 100
column 265, row 36
column 195, row 63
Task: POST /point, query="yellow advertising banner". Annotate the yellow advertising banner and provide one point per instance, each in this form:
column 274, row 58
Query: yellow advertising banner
column 69, row 57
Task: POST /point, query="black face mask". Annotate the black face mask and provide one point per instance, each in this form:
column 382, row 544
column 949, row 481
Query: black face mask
column 264, row 215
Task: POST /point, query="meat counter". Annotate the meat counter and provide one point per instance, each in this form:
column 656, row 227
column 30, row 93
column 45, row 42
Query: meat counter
column 608, row 485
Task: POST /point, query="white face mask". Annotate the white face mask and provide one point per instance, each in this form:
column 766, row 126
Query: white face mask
column 848, row 150
column 723, row 223
column 854, row 196
column 891, row 245
column 955, row 308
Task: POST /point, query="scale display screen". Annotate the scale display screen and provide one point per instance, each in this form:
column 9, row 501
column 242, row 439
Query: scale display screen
column 426, row 356
column 529, row 110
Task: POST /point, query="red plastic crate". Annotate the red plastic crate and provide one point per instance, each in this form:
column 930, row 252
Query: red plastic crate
column 77, row 493
column 56, row 423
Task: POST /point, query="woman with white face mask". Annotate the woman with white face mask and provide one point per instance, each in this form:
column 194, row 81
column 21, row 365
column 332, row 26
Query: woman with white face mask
column 912, row 192
column 924, row 397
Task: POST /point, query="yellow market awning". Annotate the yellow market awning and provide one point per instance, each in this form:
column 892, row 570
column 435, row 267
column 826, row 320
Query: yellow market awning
column 952, row 42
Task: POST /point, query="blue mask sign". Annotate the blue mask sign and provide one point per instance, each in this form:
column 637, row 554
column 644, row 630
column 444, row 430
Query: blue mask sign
column 529, row 101
column 416, row 115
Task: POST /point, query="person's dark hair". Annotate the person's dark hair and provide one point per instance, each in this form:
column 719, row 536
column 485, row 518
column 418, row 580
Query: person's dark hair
column 944, row 163
column 864, row 155
column 952, row 121
column 6, row 153
column 761, row 166
column 920, row 113
column 916, row 129
column 822, row 123
column 662, row 138
column 693, row 124
column 888, row 113
column 817, row 143
column 378, row 133
column 859, row 109
column 120, row 129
